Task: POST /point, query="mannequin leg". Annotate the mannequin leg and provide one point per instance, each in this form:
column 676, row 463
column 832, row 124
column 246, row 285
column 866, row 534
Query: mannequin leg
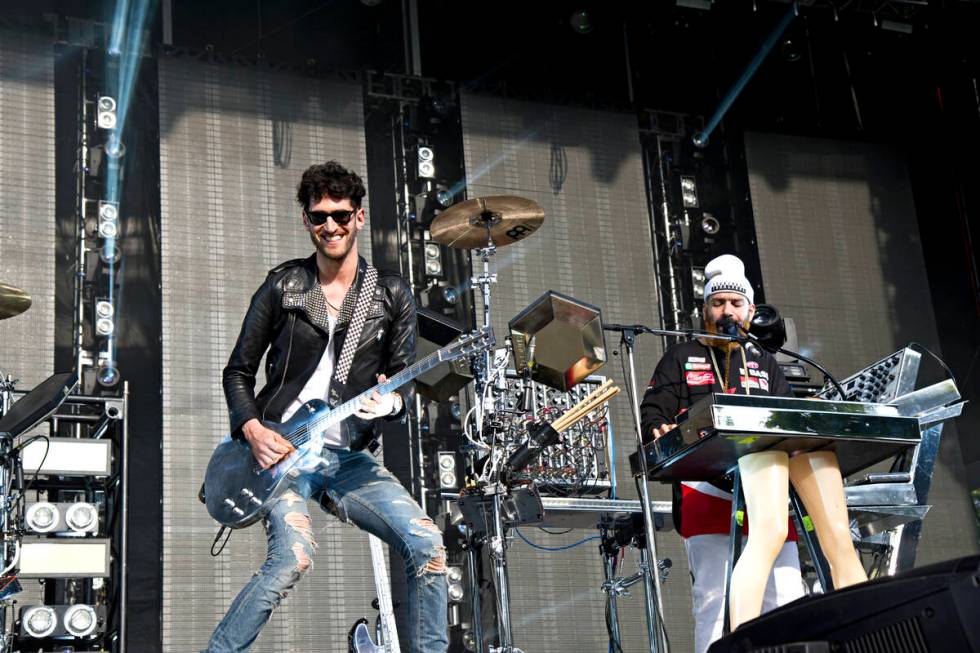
column 765, row 481
column 817, row 479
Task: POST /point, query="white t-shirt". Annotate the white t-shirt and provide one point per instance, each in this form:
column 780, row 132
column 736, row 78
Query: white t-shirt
column 317, row 387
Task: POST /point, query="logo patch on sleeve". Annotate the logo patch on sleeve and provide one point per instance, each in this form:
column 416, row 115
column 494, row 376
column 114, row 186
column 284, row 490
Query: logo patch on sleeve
column 697, row 366
column 753, row 365
column 697, row 359
column 750, row 381
column 700, row 378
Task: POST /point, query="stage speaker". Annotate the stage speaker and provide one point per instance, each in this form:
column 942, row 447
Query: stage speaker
column 445, row 380
column 930, row 609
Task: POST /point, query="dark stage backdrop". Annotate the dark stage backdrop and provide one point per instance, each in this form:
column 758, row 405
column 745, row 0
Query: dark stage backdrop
column 585, row 168
column 840, row 253
column 234, row 143
column 27, row 202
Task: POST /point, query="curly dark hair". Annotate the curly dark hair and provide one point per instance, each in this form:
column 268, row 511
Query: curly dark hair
column 329, row 179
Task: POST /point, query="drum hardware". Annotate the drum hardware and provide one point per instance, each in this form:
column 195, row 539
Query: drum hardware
column 13, row 301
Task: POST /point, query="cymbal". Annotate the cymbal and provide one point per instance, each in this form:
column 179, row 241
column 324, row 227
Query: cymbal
column 13, row 301
column 507, row 218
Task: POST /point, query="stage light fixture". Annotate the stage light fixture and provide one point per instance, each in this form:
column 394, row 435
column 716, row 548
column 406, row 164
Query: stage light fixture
column 108, row 219
column 80, row 620
column 444, row 199
column 703, row 5
column 104, row 318
column 67, row 457
column 69, row 557
column 697, row 282
column 105, row 108
column 63, row 518
column 108, row 374
column 426, row 162
column 42, row 517
column 39, row 621
column 454, row 576
column 115, row 148
column 710, row 225
column 82, row 517
column 581, row 22
column 447, row 470
column 110, row 253
column 108, row 210
column 433, row 259
column 689, row 192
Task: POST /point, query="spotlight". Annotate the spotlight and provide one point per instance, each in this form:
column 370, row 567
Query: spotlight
column 108, row 210
column 105, row 108
column 697, row 282
column 114, row 148
column 39, row 621
column 104, row 322
column 710, row 225
column 42, row 517
column 433, row 259
column 444, row 198
column 689, row 192
column 791, row 51
column 110, row 253
column 447, row 469
column 426, row 162
column 82, row 517
column 703, row 5
column 79, row 518
column 454, row 575
column 581, row 22
column 108, row 219
column 107, row 374
column 80, row 620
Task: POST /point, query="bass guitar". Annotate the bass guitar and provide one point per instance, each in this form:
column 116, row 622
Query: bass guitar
column 238, row 492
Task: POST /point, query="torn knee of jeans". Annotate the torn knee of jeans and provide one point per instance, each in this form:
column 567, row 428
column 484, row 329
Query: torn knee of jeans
column 301, row 523
column 436, row 564
column 290, row 497
column 426, row 524
column 303, row 561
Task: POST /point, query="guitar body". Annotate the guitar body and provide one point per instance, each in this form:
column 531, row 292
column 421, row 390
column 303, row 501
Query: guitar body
column 238, row 492
column 359, row 639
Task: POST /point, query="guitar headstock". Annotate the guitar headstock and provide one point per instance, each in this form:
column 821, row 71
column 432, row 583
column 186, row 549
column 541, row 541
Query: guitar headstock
column 469, row 344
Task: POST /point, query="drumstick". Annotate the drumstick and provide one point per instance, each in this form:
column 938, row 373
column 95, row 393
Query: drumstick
column 594, row 400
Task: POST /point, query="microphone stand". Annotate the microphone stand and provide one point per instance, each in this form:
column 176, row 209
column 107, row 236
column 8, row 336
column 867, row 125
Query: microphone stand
column 649, row 559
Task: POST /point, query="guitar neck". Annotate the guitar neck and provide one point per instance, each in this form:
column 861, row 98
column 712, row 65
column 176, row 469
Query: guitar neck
column 349, row 407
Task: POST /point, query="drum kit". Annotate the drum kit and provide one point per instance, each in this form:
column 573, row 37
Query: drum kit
column 556, row 342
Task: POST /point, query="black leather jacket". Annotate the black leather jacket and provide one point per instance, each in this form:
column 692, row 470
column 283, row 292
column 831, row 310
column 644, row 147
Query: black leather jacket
column 280, row 320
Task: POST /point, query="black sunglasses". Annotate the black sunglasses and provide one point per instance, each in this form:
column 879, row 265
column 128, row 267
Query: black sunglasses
column 318, row 218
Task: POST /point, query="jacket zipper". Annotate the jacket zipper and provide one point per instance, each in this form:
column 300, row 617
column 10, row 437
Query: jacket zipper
column 289, row 351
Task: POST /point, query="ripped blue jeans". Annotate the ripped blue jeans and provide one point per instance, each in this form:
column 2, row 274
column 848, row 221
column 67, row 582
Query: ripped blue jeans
column 369, row 496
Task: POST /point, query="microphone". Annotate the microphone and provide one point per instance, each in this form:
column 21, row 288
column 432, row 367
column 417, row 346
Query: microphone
column 543, row 435
column 727, row 326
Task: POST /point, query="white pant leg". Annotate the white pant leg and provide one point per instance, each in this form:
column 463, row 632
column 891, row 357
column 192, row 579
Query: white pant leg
column 707, row 556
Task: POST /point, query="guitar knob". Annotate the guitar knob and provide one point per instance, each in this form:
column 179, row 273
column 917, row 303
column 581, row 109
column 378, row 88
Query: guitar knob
column 239, row 512
column 247, row 492
column 229, row 502
column 255, row 500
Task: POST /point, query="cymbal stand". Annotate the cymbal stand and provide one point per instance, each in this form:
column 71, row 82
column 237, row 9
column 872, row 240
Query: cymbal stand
column 486, row 406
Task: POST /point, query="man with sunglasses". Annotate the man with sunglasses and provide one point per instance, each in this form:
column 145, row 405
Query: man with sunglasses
column 301, row 316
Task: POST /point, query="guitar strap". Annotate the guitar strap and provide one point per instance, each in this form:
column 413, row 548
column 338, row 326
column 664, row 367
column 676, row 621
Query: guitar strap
column 359, row 314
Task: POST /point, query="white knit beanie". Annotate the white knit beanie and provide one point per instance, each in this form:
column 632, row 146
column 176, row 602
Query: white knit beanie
column 726, row 273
